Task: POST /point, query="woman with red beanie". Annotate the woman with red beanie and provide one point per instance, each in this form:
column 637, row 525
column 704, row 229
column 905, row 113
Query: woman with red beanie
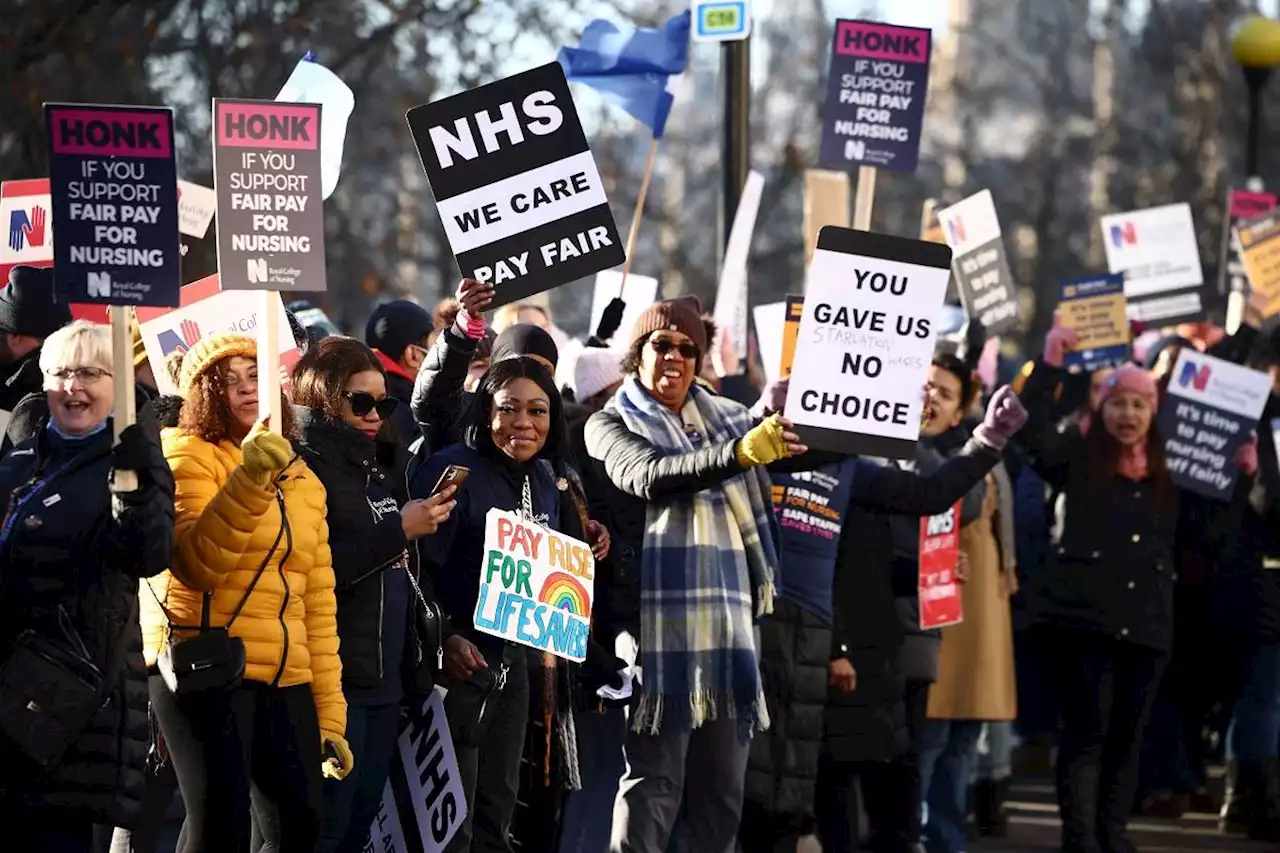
column 1103, row 603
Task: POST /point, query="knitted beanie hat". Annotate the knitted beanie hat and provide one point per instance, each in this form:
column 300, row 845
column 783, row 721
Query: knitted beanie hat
column 1128, row 377
column 595, row 370
column 683, row 314
column 208, row 351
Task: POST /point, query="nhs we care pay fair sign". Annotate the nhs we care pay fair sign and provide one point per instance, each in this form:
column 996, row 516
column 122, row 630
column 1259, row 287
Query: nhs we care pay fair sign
column 866, row 340
column 517, row 189
column 536, row 586
column 266, row 167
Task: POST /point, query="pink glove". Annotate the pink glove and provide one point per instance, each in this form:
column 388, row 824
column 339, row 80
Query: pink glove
column 468, row 326
column 1003, row 418
column 1057, row 342
column 774, row 397
column 1247, row 456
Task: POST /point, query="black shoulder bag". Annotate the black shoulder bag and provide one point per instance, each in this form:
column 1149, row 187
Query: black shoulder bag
column 212, row 661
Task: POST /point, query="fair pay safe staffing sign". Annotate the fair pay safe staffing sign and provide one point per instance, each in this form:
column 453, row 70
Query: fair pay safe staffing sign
column 721, row 20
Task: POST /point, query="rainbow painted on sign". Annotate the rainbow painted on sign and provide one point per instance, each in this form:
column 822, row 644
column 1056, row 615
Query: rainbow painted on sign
column 563, row 592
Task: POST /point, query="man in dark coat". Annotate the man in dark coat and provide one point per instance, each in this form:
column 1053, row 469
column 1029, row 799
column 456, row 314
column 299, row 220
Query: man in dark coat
column 28, row 315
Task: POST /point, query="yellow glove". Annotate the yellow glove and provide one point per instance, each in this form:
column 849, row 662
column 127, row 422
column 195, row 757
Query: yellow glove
column 265, row 454
column 762, row 444
column 336, row 768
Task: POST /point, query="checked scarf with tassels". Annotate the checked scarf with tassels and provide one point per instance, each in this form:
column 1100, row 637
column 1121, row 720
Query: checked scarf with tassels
column 706, row 573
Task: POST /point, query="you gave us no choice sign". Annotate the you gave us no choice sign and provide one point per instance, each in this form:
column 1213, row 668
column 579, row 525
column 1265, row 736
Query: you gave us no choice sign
column 518, row 191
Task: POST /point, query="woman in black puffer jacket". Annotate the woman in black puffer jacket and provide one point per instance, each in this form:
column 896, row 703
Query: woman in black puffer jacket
column 71, row 555
column 340, row 388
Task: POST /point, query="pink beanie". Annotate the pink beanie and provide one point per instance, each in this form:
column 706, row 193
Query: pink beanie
column 1128, row 377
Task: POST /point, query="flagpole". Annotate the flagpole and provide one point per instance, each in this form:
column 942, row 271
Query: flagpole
column 635, row 220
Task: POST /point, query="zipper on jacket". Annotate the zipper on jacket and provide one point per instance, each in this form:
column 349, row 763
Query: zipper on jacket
column 382, row 598
column 284, row 604
column 435, row 608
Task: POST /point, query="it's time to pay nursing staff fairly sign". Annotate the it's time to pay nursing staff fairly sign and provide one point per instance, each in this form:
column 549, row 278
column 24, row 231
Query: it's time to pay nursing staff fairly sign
column 866, row 340
column 518, row 191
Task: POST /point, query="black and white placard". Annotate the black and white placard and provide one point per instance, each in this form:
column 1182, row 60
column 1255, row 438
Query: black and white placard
column 518, row 191
column 1209, row 410
column 987, row 290
column 866, row 340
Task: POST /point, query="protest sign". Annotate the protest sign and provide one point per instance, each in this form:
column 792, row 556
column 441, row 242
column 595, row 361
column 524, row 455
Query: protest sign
column 266, row 166
column 423, row 801
column 790, row 333
column 114, row 190
column 770, row 323
column 1094, row 307
column 826, row 202
column 939, row 589
column 987, row 290
column 875, row 96
column 518, row 191
column 1209, row 409
column 206, row 310
column 1241, row 205
column 1156, row 250
column 1259, row 242
column 639, row 292
column 730, row 312
column 196, row 206
column 536, row 586
column 866, row 340
column 24, row 211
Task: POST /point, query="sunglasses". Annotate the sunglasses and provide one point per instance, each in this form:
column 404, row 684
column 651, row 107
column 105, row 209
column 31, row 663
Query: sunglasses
column 362, row 403
column 662, row 346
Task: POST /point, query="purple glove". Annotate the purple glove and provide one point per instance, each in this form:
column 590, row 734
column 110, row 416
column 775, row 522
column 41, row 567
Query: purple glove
column 1004, row 417
column 773, row 399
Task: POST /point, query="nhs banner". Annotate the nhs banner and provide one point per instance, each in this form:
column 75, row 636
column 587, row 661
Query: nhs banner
column 517, row 189
column 1209, row 409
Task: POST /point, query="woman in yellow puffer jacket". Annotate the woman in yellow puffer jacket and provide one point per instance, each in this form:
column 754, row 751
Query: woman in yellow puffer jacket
column 252, row 553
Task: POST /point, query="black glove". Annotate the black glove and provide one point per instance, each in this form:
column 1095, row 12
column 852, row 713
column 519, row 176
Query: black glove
column 974, row 339
column 611, row 319
column 139, row 448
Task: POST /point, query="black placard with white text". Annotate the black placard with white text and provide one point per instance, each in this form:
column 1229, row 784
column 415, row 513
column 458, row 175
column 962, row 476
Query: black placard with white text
column 518, row 191
column 1209, row 409
column 987, row 290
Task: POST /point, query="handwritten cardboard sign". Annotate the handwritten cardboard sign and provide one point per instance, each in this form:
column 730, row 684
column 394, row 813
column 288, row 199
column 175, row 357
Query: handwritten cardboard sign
column 940, row 602
column 1209, row 409
column 866, row 339
column 1095, row 308
column 114, row 188
column 536, row 586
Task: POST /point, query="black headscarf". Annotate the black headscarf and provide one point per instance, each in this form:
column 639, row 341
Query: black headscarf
column 524, row 339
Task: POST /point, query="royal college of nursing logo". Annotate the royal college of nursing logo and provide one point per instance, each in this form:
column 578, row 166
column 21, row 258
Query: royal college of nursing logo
column 1123, row 235
column 27, row 227
column 1195, row 375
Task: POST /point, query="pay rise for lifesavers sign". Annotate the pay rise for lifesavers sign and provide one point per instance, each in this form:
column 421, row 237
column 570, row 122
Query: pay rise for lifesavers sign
column 518, row 191
column 1209, row 409
column 114, row 192
column 875, row 96
column 266, row 166
column 536, row 586
column 866, row 340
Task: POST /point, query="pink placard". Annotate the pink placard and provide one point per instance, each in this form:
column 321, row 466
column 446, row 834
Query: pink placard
column 109, row 133
column 244, row 124
column 1247, row 205
column 879, row 41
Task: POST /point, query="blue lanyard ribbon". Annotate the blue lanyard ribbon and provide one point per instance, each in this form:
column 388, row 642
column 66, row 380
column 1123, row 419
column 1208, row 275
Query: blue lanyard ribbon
column 17, row 504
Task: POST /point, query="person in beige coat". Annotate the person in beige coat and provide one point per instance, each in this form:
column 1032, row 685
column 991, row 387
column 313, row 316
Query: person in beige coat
column 975, row 682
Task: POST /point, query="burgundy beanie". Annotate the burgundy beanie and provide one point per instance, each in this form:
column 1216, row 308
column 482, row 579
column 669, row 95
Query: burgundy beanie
column 683, row 314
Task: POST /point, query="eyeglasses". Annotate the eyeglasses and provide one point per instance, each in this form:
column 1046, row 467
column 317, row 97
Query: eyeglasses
column 362, row 403
column 85, row 375
column 662, row 346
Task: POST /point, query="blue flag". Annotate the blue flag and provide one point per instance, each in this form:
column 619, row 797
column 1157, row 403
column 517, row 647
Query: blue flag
column 630, row 66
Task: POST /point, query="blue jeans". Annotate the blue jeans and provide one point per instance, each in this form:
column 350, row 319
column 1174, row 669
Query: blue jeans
column 1255, row 723
column 586, row 821
column 947, row 752
column 352, row 804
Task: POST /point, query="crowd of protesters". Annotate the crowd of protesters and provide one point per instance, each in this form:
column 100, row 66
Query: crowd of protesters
column 212, row 627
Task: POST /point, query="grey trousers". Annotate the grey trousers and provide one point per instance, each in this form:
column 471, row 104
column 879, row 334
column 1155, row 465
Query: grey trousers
column 704, row 770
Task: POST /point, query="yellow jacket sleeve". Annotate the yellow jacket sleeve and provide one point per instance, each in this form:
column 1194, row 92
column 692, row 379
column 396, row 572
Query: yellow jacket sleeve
column 322, row 641
column 213, row 521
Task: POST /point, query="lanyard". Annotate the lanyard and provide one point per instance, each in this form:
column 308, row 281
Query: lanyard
column 17, row 504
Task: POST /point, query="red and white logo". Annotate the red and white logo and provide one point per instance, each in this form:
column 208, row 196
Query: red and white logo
column 25, row 216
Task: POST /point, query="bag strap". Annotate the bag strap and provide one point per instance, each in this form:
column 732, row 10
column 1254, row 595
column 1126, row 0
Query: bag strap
column 207, row 598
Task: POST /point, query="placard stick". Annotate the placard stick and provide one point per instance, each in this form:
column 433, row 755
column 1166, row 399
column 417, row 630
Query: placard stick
column 826, row 202
column 269, row 359
column 864, row 198
column 124, row 414
column 635, row 220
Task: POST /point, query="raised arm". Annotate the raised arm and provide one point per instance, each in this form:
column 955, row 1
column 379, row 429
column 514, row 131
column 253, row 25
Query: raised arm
column 641, row 470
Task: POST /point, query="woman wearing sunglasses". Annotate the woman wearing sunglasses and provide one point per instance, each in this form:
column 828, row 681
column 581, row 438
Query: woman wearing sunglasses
column 340, row 393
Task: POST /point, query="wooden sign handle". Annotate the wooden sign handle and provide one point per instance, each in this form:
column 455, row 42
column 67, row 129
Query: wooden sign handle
column 124, row 413
column 269, row 359
column 864, row 198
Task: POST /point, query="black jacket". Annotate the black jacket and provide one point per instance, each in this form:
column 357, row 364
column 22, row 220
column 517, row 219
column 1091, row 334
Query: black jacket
column 19, row 380
column 360, row 476
column 1110, row 568
column 69, row 548
column 438, row 396
column 869, row 724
